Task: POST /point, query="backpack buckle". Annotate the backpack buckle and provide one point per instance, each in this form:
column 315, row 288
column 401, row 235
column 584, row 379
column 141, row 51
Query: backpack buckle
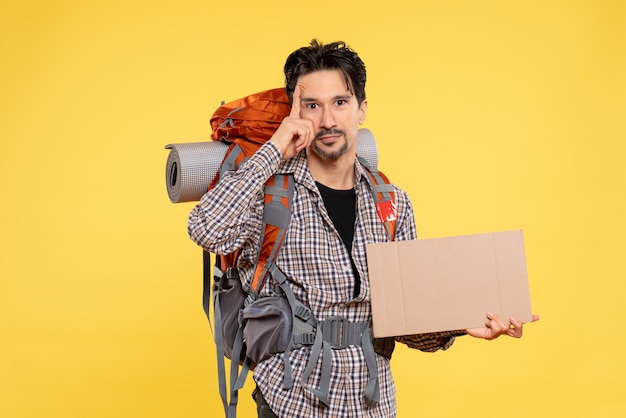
column 302, row 312
column 334, row 331
column 232, row 273
column 306, row 338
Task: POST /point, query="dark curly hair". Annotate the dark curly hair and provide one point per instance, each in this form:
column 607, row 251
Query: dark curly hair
column 333, row 56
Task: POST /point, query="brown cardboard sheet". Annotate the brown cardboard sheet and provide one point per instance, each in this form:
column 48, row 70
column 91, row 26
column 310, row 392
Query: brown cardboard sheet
column 450, row 283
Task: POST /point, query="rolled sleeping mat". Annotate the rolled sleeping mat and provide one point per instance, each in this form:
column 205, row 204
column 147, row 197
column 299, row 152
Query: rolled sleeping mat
column 192, row 166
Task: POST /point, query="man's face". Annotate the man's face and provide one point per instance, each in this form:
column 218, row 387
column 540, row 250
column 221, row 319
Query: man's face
column 334, row 111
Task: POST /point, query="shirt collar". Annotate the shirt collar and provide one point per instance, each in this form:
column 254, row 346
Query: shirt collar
column 298, row 166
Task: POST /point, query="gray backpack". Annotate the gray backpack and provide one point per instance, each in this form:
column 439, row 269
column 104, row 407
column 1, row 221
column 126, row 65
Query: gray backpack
column 249, row 329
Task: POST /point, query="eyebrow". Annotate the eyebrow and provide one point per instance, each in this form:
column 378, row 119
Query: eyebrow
column 338, row 97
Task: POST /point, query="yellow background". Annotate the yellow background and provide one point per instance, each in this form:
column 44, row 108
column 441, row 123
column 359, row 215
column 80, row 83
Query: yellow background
column 493, row 115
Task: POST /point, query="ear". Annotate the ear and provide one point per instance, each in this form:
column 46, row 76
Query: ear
column 362, row 112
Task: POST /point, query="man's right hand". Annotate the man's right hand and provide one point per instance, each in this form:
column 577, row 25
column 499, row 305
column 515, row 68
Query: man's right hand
column 294, row 133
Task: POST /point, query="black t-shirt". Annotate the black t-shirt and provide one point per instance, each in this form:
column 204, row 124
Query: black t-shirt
column 341, row 207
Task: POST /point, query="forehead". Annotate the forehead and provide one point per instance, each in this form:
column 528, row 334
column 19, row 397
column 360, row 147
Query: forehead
column 324, row 84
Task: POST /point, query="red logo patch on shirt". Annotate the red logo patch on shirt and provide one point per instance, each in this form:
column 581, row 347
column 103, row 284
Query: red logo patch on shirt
column 387, row 211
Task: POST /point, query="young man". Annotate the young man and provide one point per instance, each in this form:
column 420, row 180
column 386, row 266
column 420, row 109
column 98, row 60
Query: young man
column 323, row 255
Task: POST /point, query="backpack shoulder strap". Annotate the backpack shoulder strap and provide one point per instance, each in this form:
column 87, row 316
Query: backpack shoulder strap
column 278, row 191
column 384, row 195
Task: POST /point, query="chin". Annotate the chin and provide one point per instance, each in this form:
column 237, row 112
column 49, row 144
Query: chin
column 332, row 153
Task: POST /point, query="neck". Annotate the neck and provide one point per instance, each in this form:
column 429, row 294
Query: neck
column 337, row 174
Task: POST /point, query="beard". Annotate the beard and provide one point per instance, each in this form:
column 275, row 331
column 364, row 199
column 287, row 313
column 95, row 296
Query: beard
column 321, row 149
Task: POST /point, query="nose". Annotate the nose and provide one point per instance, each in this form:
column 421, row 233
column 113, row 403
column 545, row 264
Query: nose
column 328, row 119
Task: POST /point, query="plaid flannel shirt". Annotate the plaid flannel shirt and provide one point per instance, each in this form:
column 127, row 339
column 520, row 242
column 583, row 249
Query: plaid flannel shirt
column 317, row 264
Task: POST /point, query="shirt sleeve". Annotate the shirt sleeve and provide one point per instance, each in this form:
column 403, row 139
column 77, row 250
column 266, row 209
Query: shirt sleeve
column 430, row 342
column 231, row 213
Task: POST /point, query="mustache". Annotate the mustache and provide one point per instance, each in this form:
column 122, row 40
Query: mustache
column 324, row 132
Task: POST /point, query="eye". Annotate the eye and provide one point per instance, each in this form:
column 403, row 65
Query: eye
column 312, row 106
column 341, row 102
